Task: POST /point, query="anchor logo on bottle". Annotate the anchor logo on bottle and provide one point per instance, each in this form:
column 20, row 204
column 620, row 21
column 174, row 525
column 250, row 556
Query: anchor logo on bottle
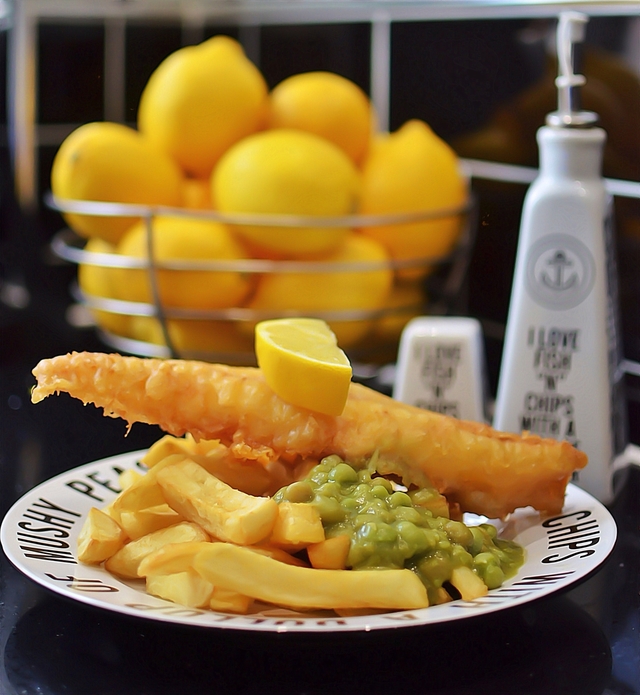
column 559, row 262
column 560, row 272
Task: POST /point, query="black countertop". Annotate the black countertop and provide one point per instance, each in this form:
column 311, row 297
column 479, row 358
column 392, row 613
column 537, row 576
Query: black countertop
column 583, row 641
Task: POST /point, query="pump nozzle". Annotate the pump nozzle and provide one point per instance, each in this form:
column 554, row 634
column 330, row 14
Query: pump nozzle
column 571, row 30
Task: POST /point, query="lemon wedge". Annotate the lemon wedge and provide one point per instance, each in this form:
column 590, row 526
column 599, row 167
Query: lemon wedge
column 302, row 363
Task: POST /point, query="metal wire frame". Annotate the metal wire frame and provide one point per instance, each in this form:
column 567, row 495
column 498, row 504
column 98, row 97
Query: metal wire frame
column 68, row 246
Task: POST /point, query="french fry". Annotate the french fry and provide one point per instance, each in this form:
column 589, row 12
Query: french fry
column 330, row 554
column 468, row 583
column 167, row 446
column 200, row 542
column 99, row 538
column 440, row 595
column 240, row 569
column 129, row 477
column 175, row 560
column 141, row 522
column 230, row 601
column 247, row 476
column 138, row 496
column 126, row 561
column 141, row 494
column 278, row 554
column 227, row 514
column 186, row 588
column 171, row 558
column 216, row 458
column 297, row 526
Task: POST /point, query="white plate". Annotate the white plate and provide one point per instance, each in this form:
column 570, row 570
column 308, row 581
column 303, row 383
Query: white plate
column 39, row 536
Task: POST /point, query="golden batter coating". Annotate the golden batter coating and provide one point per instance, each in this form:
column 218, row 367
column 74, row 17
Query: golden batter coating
column 484, row 471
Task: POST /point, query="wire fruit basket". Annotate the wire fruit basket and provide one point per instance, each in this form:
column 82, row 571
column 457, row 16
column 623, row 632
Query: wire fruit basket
column 369, row 334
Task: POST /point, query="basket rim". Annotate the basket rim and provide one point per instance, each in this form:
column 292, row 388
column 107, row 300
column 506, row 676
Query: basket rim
column 66, row 245
column 234, row 314
column 114, row 209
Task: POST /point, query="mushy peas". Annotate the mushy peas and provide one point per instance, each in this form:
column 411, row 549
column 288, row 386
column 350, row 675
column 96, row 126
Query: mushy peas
column 389, row 527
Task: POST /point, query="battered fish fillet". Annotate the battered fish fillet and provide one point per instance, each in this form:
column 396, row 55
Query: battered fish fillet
column 484, row 471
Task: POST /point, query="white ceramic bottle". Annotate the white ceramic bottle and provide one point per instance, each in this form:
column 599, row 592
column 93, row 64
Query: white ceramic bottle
column 560, row 373
column 441, row 366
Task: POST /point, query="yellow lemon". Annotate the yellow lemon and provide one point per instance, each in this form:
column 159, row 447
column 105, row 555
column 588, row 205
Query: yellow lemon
column 187, row 239
column 413, row 170
column 100, row 281
column 287, row 172
column 146, row 329
column 201, row 100
column 110, row 162
column 302, row 363
column 342, row 287
column 326, row 104
column 405, row 301
column 211, row 337
column 197, row 339
column 196, row 194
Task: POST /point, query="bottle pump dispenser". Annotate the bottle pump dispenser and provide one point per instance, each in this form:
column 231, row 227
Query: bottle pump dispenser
column 560, row 375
